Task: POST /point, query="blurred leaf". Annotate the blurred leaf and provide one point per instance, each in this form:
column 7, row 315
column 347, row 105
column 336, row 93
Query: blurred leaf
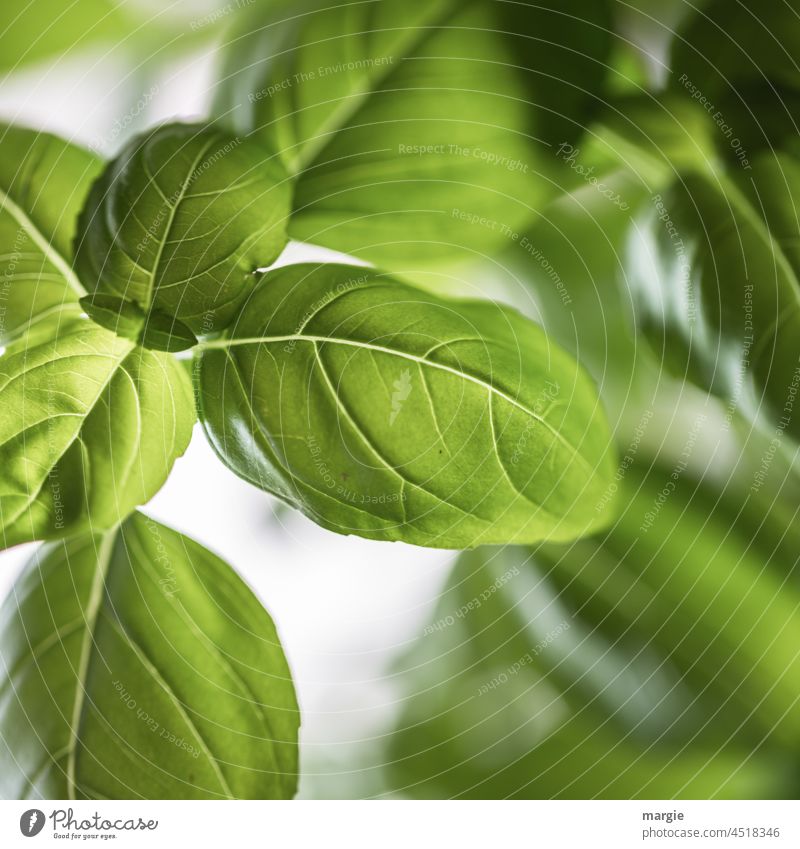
column 563, row 48
column 757, row 116
column 180, row 221
column 90, row 426
column 725, row 44
column 47, row 29
column 568, row 272
column 716, row 292
column 413, row 136
column 35, row 31
column 43, row 183
column 384, row 411
column 738, row 61
column 140, row 666
column 655, row 137
column 655, row 663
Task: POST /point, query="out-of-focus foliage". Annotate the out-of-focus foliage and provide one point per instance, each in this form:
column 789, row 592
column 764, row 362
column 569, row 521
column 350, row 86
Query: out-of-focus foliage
column 624, row 172
column 417, row 133
column 657, row 661
column 37, row 30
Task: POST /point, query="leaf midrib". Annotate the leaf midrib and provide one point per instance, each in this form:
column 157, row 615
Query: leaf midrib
column 314, row 340
column 85, row 416
column 173, row 209
column 42, row 242
column 93, row 606
column 351, row 105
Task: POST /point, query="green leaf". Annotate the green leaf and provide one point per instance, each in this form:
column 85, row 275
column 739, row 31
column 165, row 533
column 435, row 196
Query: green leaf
column 90, row 426
column 43, row 183
column 717, row 289
column 726, row 44
column 418, row 133
column 138, row 665
column 134, row 30
column 30, row 35
column 565, row 49
column 704, row 584
column 380, row 410
column 656, row 662
column 737, row 60
column 180, row 221
column 656, row 137
column 571, row 264
column 758, row 116
column 156, row 331
column 116, row 314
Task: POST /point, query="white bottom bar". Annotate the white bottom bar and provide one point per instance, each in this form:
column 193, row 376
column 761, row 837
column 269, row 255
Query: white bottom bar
column 403, row 825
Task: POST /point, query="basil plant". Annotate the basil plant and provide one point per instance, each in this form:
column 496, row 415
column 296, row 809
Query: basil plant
column 150, row 292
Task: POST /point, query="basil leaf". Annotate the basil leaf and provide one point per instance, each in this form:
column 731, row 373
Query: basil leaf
column 140, row 666
column 380, row 410
column 43, row 183
column 758, row 116
column 417, row 133
column 577, row 38
column 51, row 30
column 649, row 663
column 655, row 137
column 697, row 557
column 33, row 35
column 156, row 331
column 717, row 294
column 90, row 426
column 179, row 222
column 726, row 44
column 516, row 693
column 737, row 61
